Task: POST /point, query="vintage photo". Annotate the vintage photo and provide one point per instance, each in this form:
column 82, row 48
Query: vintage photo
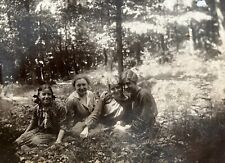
column 112, row 81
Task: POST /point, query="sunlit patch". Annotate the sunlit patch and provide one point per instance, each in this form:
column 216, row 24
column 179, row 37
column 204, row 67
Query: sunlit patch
column 121, row 128
column 47, row 5
column 201, row 3
column 170, row 4
column 139, row 27
column 163, row 21
column 185, row 18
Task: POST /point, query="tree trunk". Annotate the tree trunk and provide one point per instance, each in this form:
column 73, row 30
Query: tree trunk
column 176, row 38
column 191, row 42
column 220, row 21
column 1, row 76
column 119, row 4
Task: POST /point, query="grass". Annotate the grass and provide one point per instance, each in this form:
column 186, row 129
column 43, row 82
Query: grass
column 190, row 125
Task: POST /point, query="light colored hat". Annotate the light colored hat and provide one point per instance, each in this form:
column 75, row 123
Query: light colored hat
column 130, row 75
column 113, row 80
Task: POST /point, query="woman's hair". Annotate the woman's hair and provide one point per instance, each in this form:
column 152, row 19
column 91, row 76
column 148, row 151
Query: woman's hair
column 43, row 87
column 80, row 76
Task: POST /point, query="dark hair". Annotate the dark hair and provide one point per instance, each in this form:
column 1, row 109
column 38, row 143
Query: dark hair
column 43, row 87
column 80, row 76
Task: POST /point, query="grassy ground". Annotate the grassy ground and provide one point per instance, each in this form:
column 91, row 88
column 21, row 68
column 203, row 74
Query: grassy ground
column 190, row 124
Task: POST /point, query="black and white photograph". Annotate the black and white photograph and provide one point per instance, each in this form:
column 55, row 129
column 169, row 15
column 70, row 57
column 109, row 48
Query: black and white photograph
column 112, row 81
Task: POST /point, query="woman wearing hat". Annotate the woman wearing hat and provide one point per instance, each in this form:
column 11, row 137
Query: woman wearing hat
column 143, row 111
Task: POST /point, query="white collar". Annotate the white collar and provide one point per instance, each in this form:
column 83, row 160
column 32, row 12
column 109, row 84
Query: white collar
column 76, row 95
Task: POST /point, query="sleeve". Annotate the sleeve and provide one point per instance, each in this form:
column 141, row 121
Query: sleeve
column 92, row 99
column 62, row 112
column 92, row 119
column 34, row 119
column 147, row 114
column 67, row 122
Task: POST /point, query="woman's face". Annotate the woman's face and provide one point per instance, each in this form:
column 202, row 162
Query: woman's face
column 81, row 86
column 46, row 97
column 116, row 90
column 129, row 87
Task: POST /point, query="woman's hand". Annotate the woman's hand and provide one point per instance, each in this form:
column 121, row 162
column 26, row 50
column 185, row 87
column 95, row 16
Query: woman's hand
column 84, row 133
column 58, row 141
column 106, row 97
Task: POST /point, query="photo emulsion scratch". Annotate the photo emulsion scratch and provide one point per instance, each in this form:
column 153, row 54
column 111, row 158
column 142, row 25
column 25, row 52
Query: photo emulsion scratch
column 112, row 81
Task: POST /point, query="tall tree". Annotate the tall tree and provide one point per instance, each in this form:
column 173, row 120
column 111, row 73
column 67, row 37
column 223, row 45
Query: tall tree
column 221, row 23
column 119, row 4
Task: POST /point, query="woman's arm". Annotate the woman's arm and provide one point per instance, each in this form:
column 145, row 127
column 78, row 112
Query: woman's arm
column 31, row 126
column 94, row 116
column 62, row 112
column 60, row 136
column 33, row 122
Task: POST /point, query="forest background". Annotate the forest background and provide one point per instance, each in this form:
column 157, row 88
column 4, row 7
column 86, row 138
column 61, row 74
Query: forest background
column 55, row 39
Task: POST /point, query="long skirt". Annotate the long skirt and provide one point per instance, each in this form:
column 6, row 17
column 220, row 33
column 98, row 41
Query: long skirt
column 35, row 138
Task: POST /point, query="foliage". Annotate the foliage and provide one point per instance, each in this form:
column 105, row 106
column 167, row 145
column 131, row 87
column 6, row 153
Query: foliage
column 53, row 39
